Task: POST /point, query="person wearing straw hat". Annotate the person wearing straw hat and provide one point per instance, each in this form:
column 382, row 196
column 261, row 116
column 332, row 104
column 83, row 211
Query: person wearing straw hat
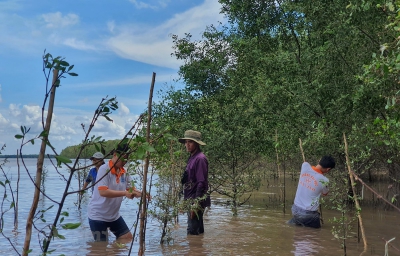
column 195, row 181
column 97, row 160
column 312, row 184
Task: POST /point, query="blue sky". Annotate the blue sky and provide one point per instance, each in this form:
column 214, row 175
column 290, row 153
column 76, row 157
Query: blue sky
column 115, row 47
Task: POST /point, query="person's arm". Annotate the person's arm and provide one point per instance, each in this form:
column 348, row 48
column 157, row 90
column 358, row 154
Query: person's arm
column 201, row 177
column 87, row 181
column 84, row 187
column 105, row 192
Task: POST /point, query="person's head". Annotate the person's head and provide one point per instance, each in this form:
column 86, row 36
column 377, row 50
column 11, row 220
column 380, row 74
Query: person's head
column 121, row 155
column 192, row 141
column 97, row 158
column 327, row 163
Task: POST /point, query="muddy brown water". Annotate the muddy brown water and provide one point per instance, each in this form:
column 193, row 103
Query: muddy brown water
column 259, row 229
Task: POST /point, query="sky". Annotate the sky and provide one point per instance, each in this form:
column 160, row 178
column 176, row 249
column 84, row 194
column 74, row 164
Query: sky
column 115, row 46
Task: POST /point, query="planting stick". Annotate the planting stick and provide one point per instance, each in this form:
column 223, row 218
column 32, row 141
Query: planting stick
column 354, row 192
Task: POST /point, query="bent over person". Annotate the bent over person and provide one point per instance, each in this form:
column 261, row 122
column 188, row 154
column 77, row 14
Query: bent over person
column 195, row 181
column 103, row 209
column 312, row 184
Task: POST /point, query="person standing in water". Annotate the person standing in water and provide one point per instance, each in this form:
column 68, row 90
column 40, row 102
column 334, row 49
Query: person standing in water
column 97, row 160
column 195, row 181
column 114, row 183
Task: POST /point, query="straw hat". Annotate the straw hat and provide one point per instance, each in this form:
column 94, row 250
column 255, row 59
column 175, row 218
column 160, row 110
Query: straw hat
column 192, row 135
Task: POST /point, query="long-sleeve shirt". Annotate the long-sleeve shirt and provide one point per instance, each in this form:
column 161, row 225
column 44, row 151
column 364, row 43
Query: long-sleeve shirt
column 197, row 176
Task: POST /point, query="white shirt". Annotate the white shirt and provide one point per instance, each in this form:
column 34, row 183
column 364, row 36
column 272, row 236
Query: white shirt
column 104, row 208
column 311, row 185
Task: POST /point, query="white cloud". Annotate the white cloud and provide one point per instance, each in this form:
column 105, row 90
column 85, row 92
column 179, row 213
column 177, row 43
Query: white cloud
column 57, row 20
column 10, row 5
column 128, row 81
column 123, row 110
column 78, row 44
column 154, row 45
column 142, row 5
column 111, row 26
column 3, row 121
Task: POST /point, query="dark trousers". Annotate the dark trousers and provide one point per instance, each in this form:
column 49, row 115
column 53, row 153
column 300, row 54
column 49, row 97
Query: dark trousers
column 305, row 218
column 195, row 223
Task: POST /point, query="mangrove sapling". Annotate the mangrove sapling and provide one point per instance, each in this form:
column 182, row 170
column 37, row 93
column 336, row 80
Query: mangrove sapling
column 4, row 208
column 58, row 67
column 168, row 187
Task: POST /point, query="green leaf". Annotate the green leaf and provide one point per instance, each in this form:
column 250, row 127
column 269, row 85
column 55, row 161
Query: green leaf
column 64, row 63
column 108, row 119
column 147, row 147
column 72, row 74
column 12, row 205
column 1, row 183
column 140, row 153
column 62, row 160
column 18, row 136
column 65, row 214
column 70, row 225
column 32, row 141
column 61, row 236
column 62, row 219
column 43, row 134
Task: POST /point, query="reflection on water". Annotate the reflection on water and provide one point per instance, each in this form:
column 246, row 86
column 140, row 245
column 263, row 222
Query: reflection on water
column 305, row 241
column 259, row 229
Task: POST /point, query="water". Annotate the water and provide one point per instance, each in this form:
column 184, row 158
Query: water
column 259, row 228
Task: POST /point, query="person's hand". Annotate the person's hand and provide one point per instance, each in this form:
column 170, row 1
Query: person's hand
column 130, row 195
column 140, row 194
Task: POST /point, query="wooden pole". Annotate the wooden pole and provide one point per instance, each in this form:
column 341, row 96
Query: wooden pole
column 277, row 153
column 143, row 212
column 39, row 171
column 301, row 149
column 354, row 192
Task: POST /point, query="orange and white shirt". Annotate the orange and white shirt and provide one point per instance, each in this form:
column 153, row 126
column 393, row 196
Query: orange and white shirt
column 312, row 184
column 104, row 208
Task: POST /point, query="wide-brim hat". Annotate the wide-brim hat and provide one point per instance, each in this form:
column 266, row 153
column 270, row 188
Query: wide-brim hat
column 192, row 135
column 97, row 155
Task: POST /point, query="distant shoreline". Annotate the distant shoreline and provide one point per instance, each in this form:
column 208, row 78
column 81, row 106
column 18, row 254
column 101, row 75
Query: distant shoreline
column 24, row 156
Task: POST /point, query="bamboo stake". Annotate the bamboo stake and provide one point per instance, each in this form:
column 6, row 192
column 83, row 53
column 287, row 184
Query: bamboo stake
column 301, row 149
column 277, row 153
column 17, row 201
column 146, row 168
column 354, row 191
column 39, row 171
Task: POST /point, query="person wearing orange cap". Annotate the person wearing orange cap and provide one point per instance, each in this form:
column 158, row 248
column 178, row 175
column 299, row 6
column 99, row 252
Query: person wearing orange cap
column 112, row 185
column 312, row 184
